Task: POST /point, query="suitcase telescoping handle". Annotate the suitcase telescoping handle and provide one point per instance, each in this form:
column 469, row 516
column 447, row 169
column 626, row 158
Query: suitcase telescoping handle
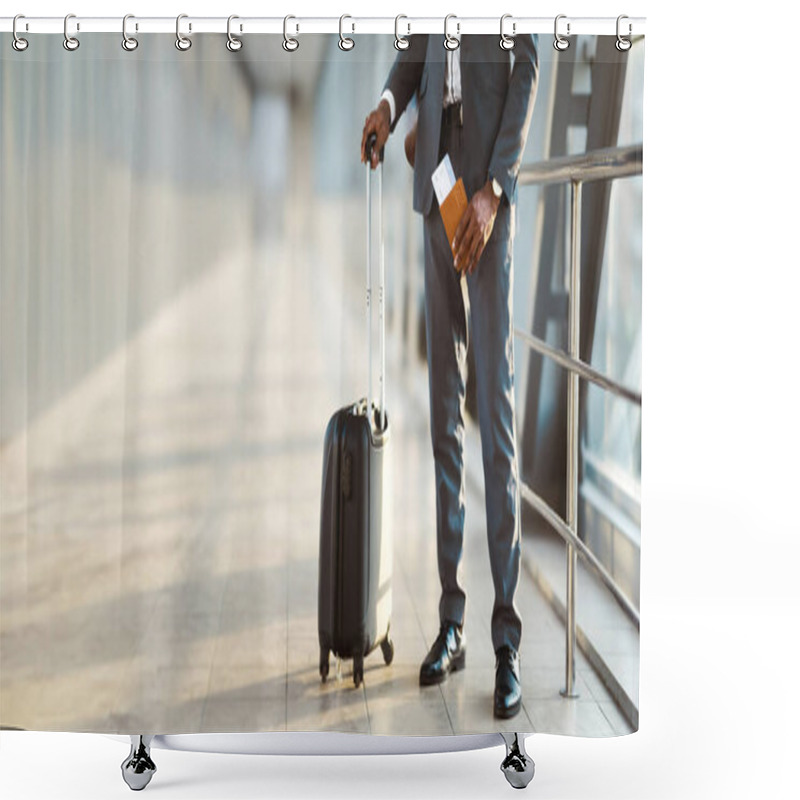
column 381, row 279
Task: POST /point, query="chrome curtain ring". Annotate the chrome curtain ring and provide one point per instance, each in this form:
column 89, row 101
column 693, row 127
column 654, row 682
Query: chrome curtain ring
column 234, row 44
column 400, row 42
column 182, row 42
column 129, row 43
column 451, row 42
column 507, row 42
column 18, row 43
column 70, row 42
column 345, row 43
column 290, row 44
column 623, row 44
column 559, row 42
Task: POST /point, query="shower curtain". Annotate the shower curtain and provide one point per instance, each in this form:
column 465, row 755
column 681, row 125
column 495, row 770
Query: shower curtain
column 182, row 266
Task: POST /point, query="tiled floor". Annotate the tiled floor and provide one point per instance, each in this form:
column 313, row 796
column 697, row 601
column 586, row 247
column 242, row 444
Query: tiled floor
column 160, row 538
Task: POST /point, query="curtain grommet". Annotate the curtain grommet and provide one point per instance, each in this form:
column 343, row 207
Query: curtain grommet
column 17, row 42
column 623, row 44
column 290, row 43
column 129, row 43
column 346, row 43
column 560, row 42
column 507, row 42
column 451, row 42
column 401, row 42
column 182, row 42
column 70, row 43
column 234, row 43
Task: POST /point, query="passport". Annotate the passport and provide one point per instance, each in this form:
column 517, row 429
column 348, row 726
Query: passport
column 451, row 196
column 452, row 209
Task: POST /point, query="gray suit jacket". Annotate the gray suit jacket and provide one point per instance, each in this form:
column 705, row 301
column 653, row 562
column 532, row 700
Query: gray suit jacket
column 497, row 100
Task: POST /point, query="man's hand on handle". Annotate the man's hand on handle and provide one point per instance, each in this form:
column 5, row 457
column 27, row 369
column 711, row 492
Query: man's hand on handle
column 475, row 228
column 379, row 123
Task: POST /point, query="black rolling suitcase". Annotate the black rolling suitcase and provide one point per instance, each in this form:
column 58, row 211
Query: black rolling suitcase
column 355, row 553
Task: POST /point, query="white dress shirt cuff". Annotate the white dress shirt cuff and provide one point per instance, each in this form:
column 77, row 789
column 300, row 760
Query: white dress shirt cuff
column 389, row 98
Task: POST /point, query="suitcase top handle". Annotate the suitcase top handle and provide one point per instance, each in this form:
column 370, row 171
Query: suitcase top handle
column 371, row 139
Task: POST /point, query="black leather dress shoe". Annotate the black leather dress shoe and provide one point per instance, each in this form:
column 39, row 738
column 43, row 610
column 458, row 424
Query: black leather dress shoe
column 507, row 688
column 445, row 656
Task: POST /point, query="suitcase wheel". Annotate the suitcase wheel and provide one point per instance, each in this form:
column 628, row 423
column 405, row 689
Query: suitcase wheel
column 324, row 664
column 387, row 648
column 358, row 670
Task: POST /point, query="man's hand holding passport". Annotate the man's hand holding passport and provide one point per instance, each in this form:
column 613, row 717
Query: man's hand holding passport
column 468, row 224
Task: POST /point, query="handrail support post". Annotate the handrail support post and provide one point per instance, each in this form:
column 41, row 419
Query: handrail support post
column 573, row 419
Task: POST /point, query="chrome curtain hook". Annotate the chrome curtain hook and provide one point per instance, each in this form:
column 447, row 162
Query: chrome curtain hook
column 129, row 43
column 451, row 42
column 290, row 44
column 559, row 42
column 623, row 44
column 70, row 42
column 234, row 44
column 345, row 42
column 18, row 43
column 182, row 42
column 400, row 42
column 507, row 42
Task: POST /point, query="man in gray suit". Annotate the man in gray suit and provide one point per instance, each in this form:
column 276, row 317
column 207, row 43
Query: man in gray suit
column 475, row 104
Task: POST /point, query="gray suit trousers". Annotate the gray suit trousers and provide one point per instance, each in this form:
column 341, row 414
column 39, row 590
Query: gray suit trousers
column 483, row 313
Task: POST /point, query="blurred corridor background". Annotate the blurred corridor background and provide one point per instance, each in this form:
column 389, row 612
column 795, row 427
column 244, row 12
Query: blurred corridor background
column 182, row 247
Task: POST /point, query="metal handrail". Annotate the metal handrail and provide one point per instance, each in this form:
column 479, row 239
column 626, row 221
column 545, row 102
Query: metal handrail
column 581, row 367
column 597, row 165
column 605, row 164
column 562, row 528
